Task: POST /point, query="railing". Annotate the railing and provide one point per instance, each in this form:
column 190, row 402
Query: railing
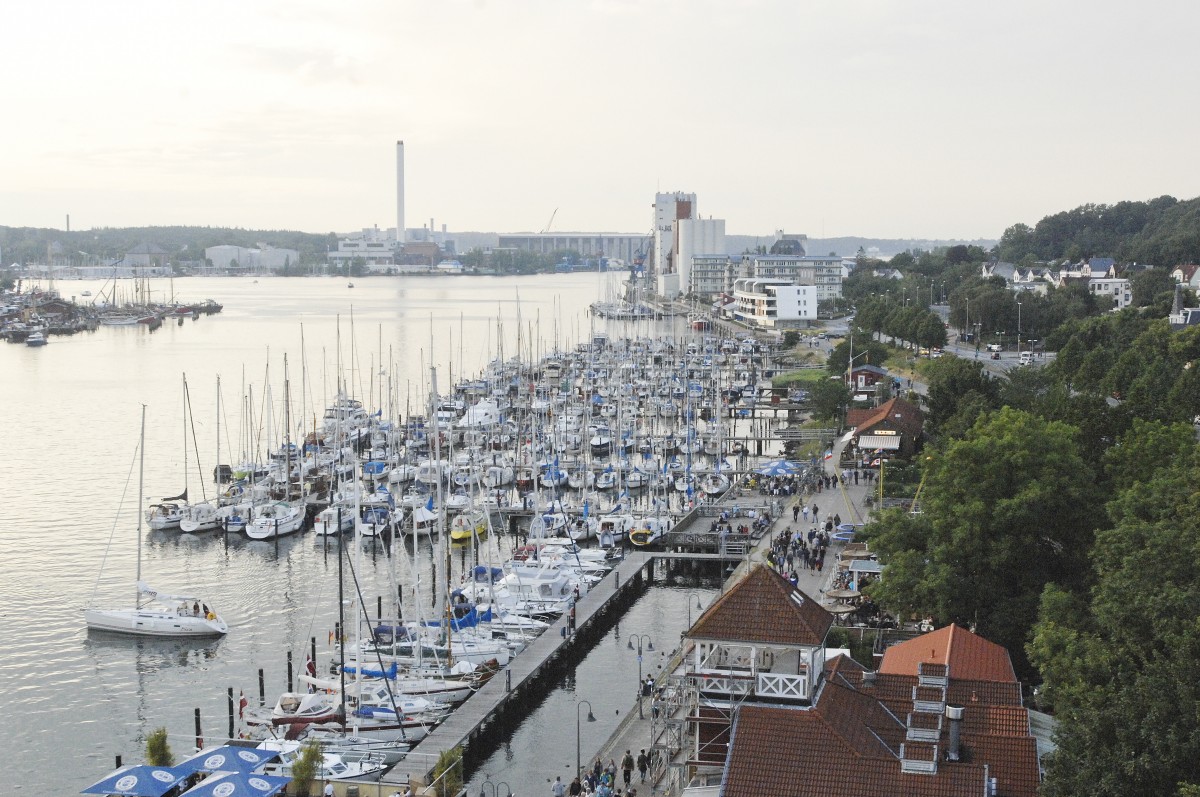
column 724, row 682
column 794, row 687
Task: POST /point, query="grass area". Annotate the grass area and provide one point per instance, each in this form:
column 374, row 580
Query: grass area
column 799, row 377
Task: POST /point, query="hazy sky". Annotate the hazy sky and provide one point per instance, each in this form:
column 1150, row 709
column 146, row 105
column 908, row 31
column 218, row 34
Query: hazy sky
column 892, row 119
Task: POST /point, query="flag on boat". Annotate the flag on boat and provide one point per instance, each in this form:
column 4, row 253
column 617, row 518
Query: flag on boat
column 242, row 703
column 181, row 497
column 330, row 637
column 310, row 666
column 429, row 503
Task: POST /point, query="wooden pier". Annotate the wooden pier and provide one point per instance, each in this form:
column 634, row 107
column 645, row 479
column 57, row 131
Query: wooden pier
column 512, row 685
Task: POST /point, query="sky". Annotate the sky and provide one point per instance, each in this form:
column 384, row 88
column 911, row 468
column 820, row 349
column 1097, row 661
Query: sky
column 908, row 119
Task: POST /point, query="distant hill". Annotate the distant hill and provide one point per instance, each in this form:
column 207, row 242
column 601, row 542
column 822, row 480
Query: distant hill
column 1163, row 232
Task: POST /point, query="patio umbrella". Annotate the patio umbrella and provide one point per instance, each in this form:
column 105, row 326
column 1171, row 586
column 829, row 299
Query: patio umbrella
column 777, row 467
column 138, row 781
column 238, row 784
column 227, row 758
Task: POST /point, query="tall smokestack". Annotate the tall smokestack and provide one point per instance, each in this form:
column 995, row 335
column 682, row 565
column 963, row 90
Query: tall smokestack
column 400, row 192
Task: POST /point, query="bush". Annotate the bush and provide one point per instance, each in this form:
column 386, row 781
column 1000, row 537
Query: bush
column 307, row 767
column 447, row 773
column 158, row 751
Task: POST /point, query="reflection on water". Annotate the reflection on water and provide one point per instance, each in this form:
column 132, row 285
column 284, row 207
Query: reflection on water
column 72, row 410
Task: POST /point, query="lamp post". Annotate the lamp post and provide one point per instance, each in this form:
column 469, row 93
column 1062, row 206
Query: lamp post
column 1018, row 329
column 689, row 596
column 650, row 647
column 590, row 718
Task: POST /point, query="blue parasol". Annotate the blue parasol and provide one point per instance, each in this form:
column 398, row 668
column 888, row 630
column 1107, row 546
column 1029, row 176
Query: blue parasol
column 778, row 467
column 138, row 781
column 238, row 784
column 228, row 758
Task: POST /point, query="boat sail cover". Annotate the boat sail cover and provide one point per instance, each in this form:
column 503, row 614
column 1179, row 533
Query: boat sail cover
column 154, row 594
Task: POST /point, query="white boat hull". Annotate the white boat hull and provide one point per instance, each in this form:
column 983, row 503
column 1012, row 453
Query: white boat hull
column 151, row 622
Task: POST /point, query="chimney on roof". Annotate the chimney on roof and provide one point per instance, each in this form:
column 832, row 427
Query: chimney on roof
column 954, row 750
column 868, row 679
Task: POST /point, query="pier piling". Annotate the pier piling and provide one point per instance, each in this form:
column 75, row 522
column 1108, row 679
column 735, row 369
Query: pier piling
column 262, row 688
column 289, row 671
column 199, row 737
column 231, row 728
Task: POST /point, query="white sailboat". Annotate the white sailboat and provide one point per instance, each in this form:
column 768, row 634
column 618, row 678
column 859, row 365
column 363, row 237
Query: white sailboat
column 156, row 613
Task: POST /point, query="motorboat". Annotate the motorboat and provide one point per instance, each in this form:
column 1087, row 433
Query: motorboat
column 468, row 524
column 333, row 766
column 165, row 515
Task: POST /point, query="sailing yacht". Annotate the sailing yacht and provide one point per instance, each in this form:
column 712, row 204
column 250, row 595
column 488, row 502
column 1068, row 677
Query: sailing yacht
column 156, row 613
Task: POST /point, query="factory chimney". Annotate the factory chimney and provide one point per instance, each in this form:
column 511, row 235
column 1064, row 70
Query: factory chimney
column 400, row 193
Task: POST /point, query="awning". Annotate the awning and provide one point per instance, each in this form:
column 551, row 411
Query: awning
column 876, row 441
column 866, row 566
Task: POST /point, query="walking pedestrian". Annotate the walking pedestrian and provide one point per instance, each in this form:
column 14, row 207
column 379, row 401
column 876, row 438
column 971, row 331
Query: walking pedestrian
column 559, row 789
column 795, row 513
column 627, row 768
column 643, row 764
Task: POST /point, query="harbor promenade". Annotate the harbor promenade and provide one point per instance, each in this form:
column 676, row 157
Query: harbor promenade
column 663, row 716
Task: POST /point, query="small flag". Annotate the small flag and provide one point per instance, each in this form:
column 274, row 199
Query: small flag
column 310, row 666
column 330, row 637
column 829, row 454
column 242, row 703
column 429, row 503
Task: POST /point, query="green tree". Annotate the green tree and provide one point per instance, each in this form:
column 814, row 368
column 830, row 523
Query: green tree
column 1124, row 671
column 447, row 774
column 954, row 382
column 827, row 398
column 1001, row 518
column 1154, row 286
column 158, row 749
column 791, row 339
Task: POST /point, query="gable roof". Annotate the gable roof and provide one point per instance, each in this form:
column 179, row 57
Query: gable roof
column 968, row 656
column 901, row 413
column 764, row 607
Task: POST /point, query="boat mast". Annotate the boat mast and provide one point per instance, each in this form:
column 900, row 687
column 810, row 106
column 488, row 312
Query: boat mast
column 137, row 601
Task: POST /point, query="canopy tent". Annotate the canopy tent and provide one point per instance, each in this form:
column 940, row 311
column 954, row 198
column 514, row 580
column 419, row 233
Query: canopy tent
column 138, row 781
column 238, row 784
column 778, row 467
column 227, row 758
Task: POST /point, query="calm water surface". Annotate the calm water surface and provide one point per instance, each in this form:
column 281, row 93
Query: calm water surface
column 68, row 487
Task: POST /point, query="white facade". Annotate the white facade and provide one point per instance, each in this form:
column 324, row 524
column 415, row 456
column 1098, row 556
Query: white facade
column 697, row 237
column 822, row 273
column 399, row 231
column 619, row 246
column 668, row 209
column 712, row 275
column 372, row 247
column 1119, row 290
column 227, row 257
column 773, row 304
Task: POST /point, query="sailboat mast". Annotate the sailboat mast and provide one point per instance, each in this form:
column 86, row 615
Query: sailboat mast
column 141, row 474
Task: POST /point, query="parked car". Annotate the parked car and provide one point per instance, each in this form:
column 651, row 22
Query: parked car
column 995, row 355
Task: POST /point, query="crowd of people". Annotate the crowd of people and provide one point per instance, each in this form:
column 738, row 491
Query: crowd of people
column 606, row 780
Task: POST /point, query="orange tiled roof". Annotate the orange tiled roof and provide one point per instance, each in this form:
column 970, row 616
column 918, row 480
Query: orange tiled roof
column 901, row 413
column 764, row 607
column 969, row 656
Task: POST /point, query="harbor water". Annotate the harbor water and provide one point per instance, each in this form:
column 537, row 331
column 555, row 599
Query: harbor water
column 69, row 482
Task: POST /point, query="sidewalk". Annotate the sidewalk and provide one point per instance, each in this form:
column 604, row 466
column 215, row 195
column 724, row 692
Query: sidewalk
column 634, row 732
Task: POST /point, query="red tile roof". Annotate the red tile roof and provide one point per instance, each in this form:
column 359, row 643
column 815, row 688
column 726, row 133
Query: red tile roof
column 764, row 607
column 968, row 656
column 903, row 415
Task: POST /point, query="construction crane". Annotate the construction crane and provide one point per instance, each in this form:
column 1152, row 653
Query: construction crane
column 550, row 223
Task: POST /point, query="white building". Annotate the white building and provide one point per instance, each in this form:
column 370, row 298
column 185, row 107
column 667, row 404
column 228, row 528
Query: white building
column 697, row 237
column 620, row 246
column 1119, row 290
column 822, row 273
column 713, row 275
column 774, row 304
column 668, row 209
column 246, row 259
column 375, row 249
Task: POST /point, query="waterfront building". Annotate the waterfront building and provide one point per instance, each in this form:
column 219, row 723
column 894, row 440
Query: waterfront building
column 713, row 275
column 774, row 303
column 824, row 273
column 943, row 714
column 227, row 258
column 697, row 238
column 625, row 247
column 373, row 248
column 669, row 208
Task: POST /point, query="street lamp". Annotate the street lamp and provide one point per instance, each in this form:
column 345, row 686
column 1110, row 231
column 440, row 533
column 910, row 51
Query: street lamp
column 1018, row 328
column 591, row 718
column 699, row 605
column 649, row 647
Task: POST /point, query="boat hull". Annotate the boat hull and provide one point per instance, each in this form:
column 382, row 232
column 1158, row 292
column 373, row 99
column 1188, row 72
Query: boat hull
column 141, row 622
